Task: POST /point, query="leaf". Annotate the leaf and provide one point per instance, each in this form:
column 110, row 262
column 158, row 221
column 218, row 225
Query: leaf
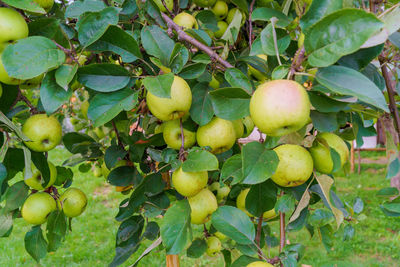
column 346, row 81
column 35, row 244
column 16, row 195
column 13, row 127
column 175, row 227
column 280, row 72
column 318, row 10
column 358, row 205
column 105, row 106
column 200, row 36
column 259, row 164
column 236, row 78
column 242, row 5
column 201, row 110
column 232, row 168
column 56, row 229
column 395, row 39
column 197, row 248
column 324, row 122
column 31, row 57
column 92, row 25
column 243, row 260
column 124, row 176
column 230, row 103
column 285, row 204
column 360, row 59
column 200, row 160
column 159, row 85
column 148, row 250
column 267, row 40
column 6, row 223
column 193, row 71
column 104, row 77
column 326, row 183
column 320, row 217
column 388, row 192
column 261, row 198
column 323, row 103
column 28, row 5
column 77, row 8
column 114, row 153
column 207, row 19
column 118, row 41
column 52, row 96
column 65, row 74
column 51, row 28
column 303, row 203
column 157, row 43
column 340, row 33
column 265, row 14
column 231, row 33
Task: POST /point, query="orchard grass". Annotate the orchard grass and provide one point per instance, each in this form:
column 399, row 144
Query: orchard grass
column 91, row 243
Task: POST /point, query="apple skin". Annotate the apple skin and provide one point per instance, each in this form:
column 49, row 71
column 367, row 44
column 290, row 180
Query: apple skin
column 45, row 4
column 219, row 134
column 321, row 154
column 188, row 184
column 168, row 3
column 35, row 181
column 172, row 135
column 259, row 264
column 220, row 9
column 204, row 3
column 5, row 78
column 295, row 165
column 214, row 246
column 97, row 171
column 280, row 107
column 239, row 128
column 203, row 205
column 256, row 73
column 173, row 108
column 248, row 126
column 44, row 132
column 186, row 21
column 37, row 208
column 220, row 236
column 73, row 201
column 214, row 83
column 222, row 26
column 12, row 27
column 222, row 192
column 231, row 15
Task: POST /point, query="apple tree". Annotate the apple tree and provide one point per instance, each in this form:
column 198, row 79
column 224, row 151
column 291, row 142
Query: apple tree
column 162, row 96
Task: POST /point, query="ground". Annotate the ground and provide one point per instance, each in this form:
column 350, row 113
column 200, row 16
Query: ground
column 376, row 243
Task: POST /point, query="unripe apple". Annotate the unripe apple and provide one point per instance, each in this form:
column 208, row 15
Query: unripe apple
column 222, row 191
column 159, row 128
column 219, row 134
column 85, row 108
column 37, row 207
column 171, row 108
column 186, row 21
column 168, row 3
column 280, row 107
column 214, row 246
column 36, row 180
column 12, row 27
column 73, row 201
column 220, row 236
column 214, row 83
column 45, row 4
column 32, row 83
column 202, row 205
column 97, row 172
column 173, row 136
column 220, row 9
column 222, row 26
column 231, row 15
column 189, row 184
column 248, row 126
column 320, row 152
column 4, row 77
column 44, row 132
column 204, row 3
column 295, row 165
column 259, row 264
column 239, row 128
column 256, row 73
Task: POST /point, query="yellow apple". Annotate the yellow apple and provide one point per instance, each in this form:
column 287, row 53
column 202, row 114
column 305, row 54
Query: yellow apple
column 204, row 3
column 222, row 26
column 168, row 3
column 173, row 137
column 259, row 264
column 203, row 205
column 186, row 21
column 189, row 184
column 214, row 246
column 12, row 27
column 219, row 134
column 239, row 128
column 73, row 201
column 36, row 181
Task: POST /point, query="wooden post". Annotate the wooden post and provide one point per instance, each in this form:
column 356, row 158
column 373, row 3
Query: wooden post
column 359, row 161
column 352, row 157
column 172, row 260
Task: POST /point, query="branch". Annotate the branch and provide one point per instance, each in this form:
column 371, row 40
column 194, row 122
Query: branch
column 166, row 8
column 251, row 23
column 298, row 59
column 282, row 231
column 258, row 236
column 117, row 135
column 71, row 53
column 184, row 36
column 23, row 98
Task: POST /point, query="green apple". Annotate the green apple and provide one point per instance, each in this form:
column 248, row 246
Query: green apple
column 320, row 151
column 204, row 3
column 171, row 108
column 168, row 3
column 37, row 207
column 84, row 108
column 36, row 180
column 222, row 26
column 221, row 191
column 186, row 21
column 259, row 264
column 220, row 236
column 280, row 107
column 219, row 134
column 173, row 136
column 214, row 83
column 73, row 201
column 295, row 165
column 214, row 246
column 239, row 128
column 189, row 184
column 232, row 13
column 202, row 205
column 32, row 83
column 4, row 77
column 159, row 128
column 97, row 171
column 45, row 4
column 44, row 132
column 220, row 9
column 256, row 73
column 12, row 27
column 248, row 126
column 270, row 214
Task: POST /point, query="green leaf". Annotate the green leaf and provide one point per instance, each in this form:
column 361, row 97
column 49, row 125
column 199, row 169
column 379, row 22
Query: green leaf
column 360, row 59
column 159, row 85
column 259, row 164
column 242, row 5
column 193, row 71
column 230, row 103
column 303, row 203
column 105, row 106
column 318, row 10
column 267, row 40
column 388, row 192
column 323, row 103
column 114, row 153
column 200, row 160
column 320, row 217
column 200, row 36
column 92, row 25
column 6, row 223
column 31, row 57
column 261, row 198
column 347, row 81
column 265, row 14
column 10, row 125
column 175, row 227
column 16, row 195
column 65, row 74
column 243, row 260
column 280, row 72
column 52, row 95
column 104, row 77
column 179, row 57
column 324, row 122
column 236, row 78
column 28, row 5
column 152, row 231
column 197, row 248
column 56, row 229
column 348, row 30
column 285, row 203
column 124, row 176
column 50, row 28
column 207, row 19
column 35, row 244
column 231, row 33
column 201, row 110
column 234, row 223
column 395, row 39
column 77, row 8
column 118, row 41
column 157, row 43
column 232, row 168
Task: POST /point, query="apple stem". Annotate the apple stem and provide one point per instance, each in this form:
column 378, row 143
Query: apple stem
column 251, row 23
column 165, row 5
column 258, row 236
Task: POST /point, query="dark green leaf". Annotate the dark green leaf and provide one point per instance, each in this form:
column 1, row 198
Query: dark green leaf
column 16, row 196
column 267, row 40
column 124, row 176
column 236, row 78
column 193, row 71
column 261, row 198
column 285, row 203
column 113, row 154
column 50, row 28
column 280, row 72
column 52, row 95
column 77, row 8
column 230, row 103
column 243, row 261
column 321, row 217
column 152, row 231
column 265, row 14
column 324, row 122
column 6, row 223
column 200, row 160
column 360, row 59
column 200, row 36
column 35, row 244
column 157, row 43
column 201, row 110
column 348, row 232
column 318, row 10
column 159, row 85
column 388, row 192
column 65, row 74
column 207, row 20
column 56, row 229
column 197, row 248
column 323, row 103
column 28, row 5
column 232, row 168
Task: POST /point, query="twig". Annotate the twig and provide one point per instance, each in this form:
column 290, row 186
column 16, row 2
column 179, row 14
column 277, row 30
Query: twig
column 251, row 23
column 166, row 8
column 23, row 98
column 282, row 231
column 117, row 134
column 182, row 150
column 258, row 236
column 273, row 21
column 176, row 7
column 70, row 52
column 184, row 36
column 298, row 59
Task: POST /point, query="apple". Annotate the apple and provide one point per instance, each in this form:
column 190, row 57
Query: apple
column 222, row 191
column 159, row 128
column 280, row 107
column 97, row 171
column 295, row 165
column 269, row 214
column 168, row 3
column 231, row 15
column 173, row 138
column 219, row 134
column 4, row 77
column 12, row 27
column 214, row 83
column 44, row 132
column 239, row 128
column 186, row 21
column 73, row 201
column 85, row 108
column 37, row 207
column 256, row 73
column 220, row 9
column 36, row 181
column 171, row 108
column 259, row 264
column 248, row 126
column 214, row 246
column 203, row 205
column 220, row 236
column 32, row 83
column 222, row 26
column 189, row 184
column 45, row 4
column 320, row 152
column 204, row 3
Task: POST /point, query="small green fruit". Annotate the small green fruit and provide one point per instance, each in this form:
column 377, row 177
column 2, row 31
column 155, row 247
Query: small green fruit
column 239, row 128
column 186, row 21
column 173, row 136
column 220, row 9
column 202, row 205
column 36, row 180
column 73, row 201
column 222, row 26
column 37, row 207
column 214, row 246
column 189, row 184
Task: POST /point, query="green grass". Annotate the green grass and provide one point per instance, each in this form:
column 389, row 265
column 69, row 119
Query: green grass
column 91, row 243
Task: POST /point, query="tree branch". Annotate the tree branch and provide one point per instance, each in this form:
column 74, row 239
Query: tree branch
column 23, row 98
column 251, row 23
column 184, row 36
column 117, row 134
column 298, row 59
column 282, row 231
column 258, row 236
